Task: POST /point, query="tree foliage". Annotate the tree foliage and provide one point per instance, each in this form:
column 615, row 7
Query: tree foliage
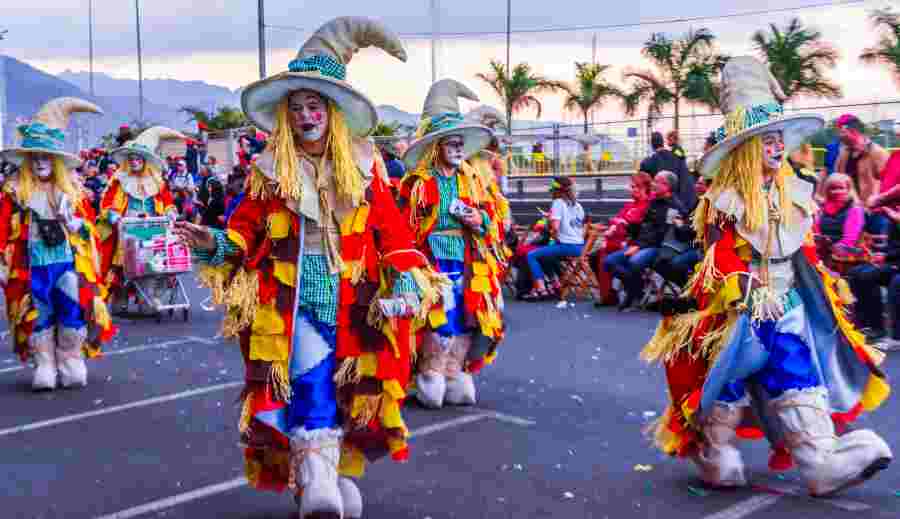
column 685, row 70
column 589, row 90
column 798, row 58
column 887, row 51
column 518, row 91
column 224, row 118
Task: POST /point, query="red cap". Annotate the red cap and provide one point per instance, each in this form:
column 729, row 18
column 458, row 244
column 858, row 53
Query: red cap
column 202, row 126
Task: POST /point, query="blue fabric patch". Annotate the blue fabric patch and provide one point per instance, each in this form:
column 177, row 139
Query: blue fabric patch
column 54, row 306
column 456, row 316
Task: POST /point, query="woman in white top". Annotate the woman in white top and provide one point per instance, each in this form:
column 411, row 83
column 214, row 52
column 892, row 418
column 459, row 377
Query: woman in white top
column 567, row 229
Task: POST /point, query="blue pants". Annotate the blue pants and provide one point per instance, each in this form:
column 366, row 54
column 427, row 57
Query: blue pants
column 557, row 250
column 629, row 269
column 54, row 288
column 789, row 366
column 877, row 223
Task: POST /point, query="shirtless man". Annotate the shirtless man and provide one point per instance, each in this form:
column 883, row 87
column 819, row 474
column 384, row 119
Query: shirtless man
column 860, row 158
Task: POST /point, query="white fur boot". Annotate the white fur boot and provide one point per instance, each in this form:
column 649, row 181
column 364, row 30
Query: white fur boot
column 350, row 494
column 828, row 462
column 69, row 359
column 431, row 383
column 719, row 461
column 460, row 385
column 43, row 352
column 315, row 456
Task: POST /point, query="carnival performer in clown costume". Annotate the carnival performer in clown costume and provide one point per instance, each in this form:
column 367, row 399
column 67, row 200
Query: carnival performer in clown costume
column 761, row 341
column 137, row 190
column 447, row 201
column 321, row 280
column 48, row 266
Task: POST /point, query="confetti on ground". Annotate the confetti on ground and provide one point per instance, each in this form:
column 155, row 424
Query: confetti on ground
column 643, row 468
column 568, row 495
column 561, row 305
column 577, row 399
column 649, row 414
column 698, row 491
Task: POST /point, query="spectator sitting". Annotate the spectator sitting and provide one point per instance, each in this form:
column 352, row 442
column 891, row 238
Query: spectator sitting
column 623, row 229
column 678, row 255
column 628, row 264
column 537, row 236
column 839, row 224
column 664, row 160
column 566, row 226
column 864, row 161
column 866, row 282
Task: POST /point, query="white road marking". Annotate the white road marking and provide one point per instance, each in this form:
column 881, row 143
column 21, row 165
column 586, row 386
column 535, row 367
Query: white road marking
column 844, row 504
column 226, row 486
column 746, row 507
column 134, row 349
column 118, row 408
column 524, row 422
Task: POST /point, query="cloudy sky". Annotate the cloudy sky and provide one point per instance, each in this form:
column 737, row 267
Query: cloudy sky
column 215, row 40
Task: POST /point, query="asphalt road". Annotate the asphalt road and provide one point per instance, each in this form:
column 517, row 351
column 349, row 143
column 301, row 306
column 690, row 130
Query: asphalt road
column 556, row 434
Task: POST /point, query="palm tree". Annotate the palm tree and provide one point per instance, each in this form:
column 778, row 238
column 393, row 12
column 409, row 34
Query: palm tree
column 887, row 50
column 519, row 90
column 383, row 129
column 224, row 118
column 589, row 90
column 798, row 57
column 685, row 68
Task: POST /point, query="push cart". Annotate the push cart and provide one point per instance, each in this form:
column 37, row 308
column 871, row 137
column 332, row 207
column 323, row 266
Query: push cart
column 153, row 259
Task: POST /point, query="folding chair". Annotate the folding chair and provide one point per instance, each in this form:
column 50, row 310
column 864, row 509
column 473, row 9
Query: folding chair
column 577, row 275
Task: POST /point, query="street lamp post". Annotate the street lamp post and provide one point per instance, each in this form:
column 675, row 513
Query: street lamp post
column 504, row 185
column 137, row 13
column 2, row 90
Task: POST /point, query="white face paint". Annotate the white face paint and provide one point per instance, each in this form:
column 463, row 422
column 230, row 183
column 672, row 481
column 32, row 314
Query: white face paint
column 42, row 165
column 773, row 150
column 309, row 115
column 135, row 163
column 452, row 150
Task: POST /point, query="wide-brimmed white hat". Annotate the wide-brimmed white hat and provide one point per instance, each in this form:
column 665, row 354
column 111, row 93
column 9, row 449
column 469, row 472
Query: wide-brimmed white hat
column 441, row 118
column 321, row 66
column 46, row 131
column 147, row 145
column 751, row 101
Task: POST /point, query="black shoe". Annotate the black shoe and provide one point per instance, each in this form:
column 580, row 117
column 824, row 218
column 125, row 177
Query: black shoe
column 874, row 335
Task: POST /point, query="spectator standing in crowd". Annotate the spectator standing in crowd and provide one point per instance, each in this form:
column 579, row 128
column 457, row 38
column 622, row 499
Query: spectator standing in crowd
column 249, row 147
column 192, row 158
column 124, row 135
column 889, row 187
column 567, row 227
column 832, row 152
column 395, row 168
column 664, row 160
column 863, row 160
column 629, row 264
column 674, row 142
column 183, row 188
column 622, row 231
column 537, row 155
column 214, row 206
column 234, row 191
column 216, row 170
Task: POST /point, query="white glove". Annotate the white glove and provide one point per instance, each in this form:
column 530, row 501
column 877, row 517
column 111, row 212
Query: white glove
column 67, row 213
column 4, row 274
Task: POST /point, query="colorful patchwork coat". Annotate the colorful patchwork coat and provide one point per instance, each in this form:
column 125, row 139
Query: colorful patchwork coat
column 485, row 256
column 695, row 348
column 21, row 313
column 256, row 283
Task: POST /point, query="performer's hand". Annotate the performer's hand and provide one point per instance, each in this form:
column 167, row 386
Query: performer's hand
column 195, row 236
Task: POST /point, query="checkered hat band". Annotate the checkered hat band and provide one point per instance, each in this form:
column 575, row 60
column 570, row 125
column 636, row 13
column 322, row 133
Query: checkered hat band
column 754, row 116
column 325, row 65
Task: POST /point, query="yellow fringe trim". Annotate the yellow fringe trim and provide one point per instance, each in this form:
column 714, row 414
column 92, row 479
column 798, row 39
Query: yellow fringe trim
column 281, row 380
column 348, row 372
column 240, row 296
column 365, row 408
column 244, row 420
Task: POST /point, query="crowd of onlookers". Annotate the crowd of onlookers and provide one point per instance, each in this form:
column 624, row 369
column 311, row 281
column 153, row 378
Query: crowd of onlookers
column 648, row 247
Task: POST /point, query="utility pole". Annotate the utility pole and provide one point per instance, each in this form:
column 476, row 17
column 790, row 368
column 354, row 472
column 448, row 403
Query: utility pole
column 505, row 184
column 137, row 12
column 435, row 38
column 2, row 90
column 261, row 30
column 91, row 46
